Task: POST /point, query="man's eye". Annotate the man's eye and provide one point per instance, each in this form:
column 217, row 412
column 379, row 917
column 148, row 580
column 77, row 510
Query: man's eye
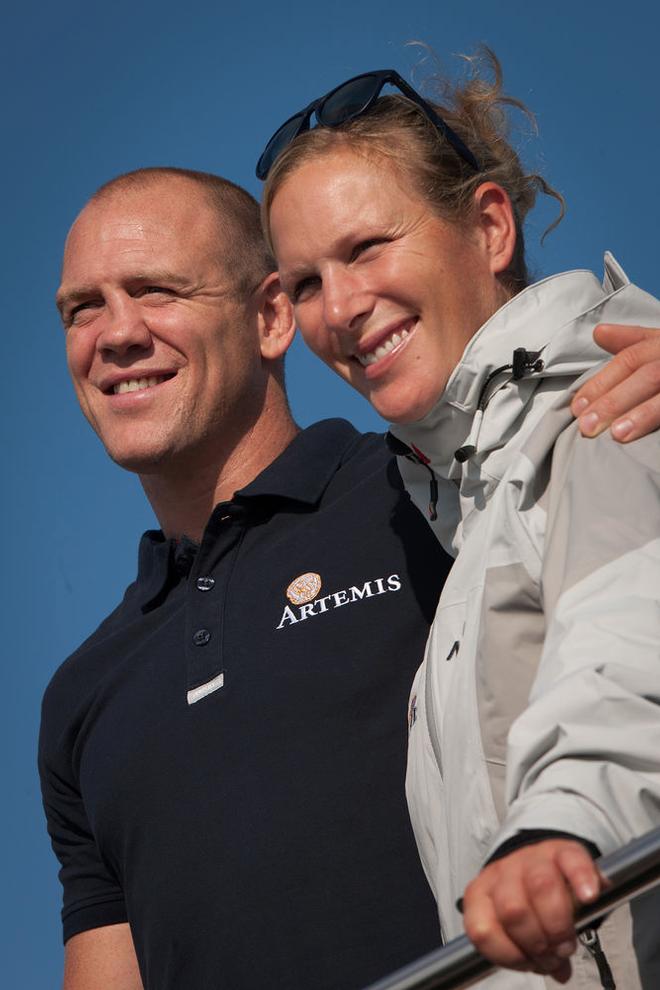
column 76, row 315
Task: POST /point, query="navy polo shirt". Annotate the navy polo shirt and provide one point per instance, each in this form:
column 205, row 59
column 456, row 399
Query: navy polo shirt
column 223, row 760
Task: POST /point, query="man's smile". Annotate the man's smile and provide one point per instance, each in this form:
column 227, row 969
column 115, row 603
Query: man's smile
column 134, row 382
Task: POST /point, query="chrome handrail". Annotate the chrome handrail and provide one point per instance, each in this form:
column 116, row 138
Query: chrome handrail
column 632, row 870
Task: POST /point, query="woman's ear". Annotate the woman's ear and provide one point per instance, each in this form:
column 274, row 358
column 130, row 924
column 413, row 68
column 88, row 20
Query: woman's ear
column 276, row 324
column 496, row 222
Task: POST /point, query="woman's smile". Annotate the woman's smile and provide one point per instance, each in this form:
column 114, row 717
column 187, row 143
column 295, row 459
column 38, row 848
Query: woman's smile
column 385, row 292
column 371, row 353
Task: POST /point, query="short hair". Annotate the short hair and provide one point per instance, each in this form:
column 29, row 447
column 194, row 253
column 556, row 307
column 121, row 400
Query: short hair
column 396, row 130
column 249, row 259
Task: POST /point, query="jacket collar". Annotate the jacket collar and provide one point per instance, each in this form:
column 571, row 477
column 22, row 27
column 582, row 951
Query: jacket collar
column 553, row 317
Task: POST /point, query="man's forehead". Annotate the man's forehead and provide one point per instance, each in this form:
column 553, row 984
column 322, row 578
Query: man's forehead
column 98, row 243
column 142, row 220
column 132, row 212
column 123, row 227
column 140, row 232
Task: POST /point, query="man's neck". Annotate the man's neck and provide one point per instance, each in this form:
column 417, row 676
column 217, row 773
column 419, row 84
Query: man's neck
column 184, row 497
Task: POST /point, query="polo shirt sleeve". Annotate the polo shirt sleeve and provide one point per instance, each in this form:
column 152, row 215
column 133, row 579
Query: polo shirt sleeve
column 92, row 897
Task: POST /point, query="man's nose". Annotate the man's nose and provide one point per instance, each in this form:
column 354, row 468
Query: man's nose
column 347, row 300
column 123, row 327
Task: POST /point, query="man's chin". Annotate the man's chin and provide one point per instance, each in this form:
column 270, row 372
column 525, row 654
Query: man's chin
column 138, row 461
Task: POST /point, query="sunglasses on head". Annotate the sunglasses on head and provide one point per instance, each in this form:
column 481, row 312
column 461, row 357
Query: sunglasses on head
column 347, row 101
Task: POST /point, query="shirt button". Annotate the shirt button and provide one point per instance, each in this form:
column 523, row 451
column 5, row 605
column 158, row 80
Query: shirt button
column 201, row 637
column 205, row 583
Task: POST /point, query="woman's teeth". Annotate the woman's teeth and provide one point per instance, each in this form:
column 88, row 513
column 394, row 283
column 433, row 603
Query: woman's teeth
column 383, row 349
column 135, row 384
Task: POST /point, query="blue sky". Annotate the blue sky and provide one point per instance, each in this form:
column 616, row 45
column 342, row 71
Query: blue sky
column 92, row 90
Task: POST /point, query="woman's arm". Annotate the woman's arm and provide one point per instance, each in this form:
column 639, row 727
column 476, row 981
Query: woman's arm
column 583, row 756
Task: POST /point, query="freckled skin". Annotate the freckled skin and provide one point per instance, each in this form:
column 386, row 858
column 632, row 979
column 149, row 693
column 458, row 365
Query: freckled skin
column 358, row 252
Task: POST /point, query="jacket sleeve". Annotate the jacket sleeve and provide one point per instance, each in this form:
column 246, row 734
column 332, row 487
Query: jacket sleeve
column 584, row 757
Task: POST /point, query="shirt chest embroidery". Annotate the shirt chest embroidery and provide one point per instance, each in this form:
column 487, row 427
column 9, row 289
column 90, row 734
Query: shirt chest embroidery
column 303, row 593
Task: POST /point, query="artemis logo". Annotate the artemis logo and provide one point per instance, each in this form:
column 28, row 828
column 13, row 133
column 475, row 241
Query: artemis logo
column 347, row 596
column 304, row 589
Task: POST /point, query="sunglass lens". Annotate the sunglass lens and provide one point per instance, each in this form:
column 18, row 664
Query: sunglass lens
column 348, row 101
column 279, row 141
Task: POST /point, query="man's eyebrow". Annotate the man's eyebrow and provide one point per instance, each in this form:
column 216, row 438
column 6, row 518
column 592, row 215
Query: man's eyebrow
column 64, row 298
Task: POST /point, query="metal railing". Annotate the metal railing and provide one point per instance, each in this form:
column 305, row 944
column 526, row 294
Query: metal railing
column 630, row 871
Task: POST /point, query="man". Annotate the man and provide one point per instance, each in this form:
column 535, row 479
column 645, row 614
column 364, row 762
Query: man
column 222, row 761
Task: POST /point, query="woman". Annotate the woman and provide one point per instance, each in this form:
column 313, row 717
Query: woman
column 397, row 228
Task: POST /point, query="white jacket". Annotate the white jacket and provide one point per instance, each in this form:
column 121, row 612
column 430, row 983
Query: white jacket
column 537, row 705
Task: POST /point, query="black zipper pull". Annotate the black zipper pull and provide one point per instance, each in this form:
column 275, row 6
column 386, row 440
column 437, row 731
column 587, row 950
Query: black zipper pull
column 414, row 454
column 465, row 452
column 590, row 940
column 433, row 503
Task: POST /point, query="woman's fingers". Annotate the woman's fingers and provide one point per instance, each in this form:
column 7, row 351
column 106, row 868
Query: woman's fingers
column 519, row 910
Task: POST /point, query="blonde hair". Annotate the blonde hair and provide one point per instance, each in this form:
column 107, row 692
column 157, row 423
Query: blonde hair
column 397, row 130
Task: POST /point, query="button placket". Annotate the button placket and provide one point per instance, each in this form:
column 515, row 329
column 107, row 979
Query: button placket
column 205, row 601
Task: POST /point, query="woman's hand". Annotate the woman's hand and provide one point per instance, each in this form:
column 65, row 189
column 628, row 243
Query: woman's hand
column 519, row 910
column 625, row 394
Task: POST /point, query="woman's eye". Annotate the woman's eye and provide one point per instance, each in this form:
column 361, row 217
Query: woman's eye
column 151, row 290
column 304, row 288
column 366, row 245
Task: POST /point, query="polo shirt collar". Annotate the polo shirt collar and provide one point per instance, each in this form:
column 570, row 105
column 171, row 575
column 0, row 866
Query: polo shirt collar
column 306, row 467
column 300, row 474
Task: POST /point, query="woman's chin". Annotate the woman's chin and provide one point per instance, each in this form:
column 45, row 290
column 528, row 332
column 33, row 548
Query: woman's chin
column 409, row 407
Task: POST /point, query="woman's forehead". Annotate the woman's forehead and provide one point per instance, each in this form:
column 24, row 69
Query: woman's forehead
column 341, row 183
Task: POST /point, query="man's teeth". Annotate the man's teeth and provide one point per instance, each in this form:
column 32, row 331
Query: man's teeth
column 383, row 349
column 135, row 384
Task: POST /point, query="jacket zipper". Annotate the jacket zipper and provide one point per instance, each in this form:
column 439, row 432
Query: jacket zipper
column 522, row 362
column 589, row 938
column 415, row 455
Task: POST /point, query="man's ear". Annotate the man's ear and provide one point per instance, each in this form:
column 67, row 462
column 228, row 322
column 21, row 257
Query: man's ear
column 276, row 323
column 496, row 222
